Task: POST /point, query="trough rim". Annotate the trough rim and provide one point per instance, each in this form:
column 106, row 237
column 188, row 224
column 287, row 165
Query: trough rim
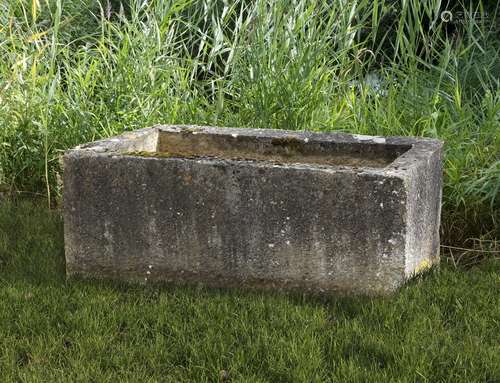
column 420, row 147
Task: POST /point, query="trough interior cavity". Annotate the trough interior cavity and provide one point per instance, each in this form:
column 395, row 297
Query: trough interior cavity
column 286, row 149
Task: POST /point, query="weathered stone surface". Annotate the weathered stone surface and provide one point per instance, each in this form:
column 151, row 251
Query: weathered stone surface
column 253, row 208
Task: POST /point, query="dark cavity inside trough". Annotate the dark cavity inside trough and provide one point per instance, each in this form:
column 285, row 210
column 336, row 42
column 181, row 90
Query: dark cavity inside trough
column 191, row 143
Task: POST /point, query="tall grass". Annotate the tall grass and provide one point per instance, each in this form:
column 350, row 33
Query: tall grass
column 75, row 70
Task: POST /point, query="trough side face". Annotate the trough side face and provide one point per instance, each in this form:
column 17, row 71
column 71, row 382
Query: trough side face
column 424, row 185
column 234, row 223
column 76, row 179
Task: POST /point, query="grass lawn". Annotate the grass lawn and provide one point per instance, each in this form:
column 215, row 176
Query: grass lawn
column 444, row 326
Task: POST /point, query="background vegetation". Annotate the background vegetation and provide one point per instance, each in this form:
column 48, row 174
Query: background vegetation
column 73, row 71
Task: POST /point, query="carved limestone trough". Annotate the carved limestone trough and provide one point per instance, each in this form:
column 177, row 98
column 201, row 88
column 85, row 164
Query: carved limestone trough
column 253, row 208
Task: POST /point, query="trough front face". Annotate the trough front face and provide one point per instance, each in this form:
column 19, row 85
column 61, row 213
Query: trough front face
column 253, row 208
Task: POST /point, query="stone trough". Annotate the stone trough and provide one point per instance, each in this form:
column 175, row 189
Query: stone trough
column 253, row 208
